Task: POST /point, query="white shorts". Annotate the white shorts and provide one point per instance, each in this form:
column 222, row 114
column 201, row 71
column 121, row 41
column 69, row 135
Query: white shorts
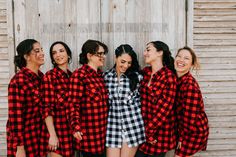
column 123, row 136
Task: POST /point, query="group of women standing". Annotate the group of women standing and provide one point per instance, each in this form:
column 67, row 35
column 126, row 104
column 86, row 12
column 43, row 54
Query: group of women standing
column 124, row 112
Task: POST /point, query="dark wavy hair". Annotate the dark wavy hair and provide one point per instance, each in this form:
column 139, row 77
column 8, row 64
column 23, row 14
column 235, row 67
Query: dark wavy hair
column 23, row 48
column 167, row 59
column 90, row 46
column 68, row 51
column 133, row 71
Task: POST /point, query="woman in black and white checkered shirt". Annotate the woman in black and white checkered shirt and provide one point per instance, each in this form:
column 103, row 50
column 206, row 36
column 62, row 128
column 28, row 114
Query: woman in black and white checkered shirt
column 125, row 129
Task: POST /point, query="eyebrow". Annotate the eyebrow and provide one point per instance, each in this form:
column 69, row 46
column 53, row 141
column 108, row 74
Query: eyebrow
column 37, row 49
column 59, row 49
column 125, row 60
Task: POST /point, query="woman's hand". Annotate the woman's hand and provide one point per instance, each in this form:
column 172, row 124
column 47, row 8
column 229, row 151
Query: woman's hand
column 152, row 142
column 53, row 142
column 179, row 145
column 20, row 151
column 78, row 135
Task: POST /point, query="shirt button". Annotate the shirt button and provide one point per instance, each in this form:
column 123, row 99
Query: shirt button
column 155, row 101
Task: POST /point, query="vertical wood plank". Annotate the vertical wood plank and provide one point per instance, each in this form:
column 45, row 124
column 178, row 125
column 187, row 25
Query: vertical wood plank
column 107, row 30
column 6, row 65
column 94, row 19
column 156, row 19
column 46, row 28
column 10, row 38
column 136, row 18
column 32, row 21
column 19, row 20
column 119, row 21
column 169, row 23
column 180, row 26
column 190, row 23
column 144, row 30
column 51, row 26
column 88, row 21
column 71, row 31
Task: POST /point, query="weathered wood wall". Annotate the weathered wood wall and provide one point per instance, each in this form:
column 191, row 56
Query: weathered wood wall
column 214, row 39
column 4, row 73
column 112, row 21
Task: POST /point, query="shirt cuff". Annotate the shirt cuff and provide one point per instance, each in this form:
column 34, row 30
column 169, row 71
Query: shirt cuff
column 76, row 128
column 19, row 140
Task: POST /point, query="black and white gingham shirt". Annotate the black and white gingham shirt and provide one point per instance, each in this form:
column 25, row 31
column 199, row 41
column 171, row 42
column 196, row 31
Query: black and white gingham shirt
column 124, row 112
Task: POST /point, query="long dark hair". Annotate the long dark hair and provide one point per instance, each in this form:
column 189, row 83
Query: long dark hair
column 90, row 46
column 23, row 48
column 132, row 71
column 167, row 59
column 68, row 51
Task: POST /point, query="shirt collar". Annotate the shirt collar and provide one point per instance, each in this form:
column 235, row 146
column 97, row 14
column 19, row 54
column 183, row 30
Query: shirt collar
column 60, row 72
column 112, row 72
column 148, row 71
column 184, row 78
column 91, row 71
column 32, row 74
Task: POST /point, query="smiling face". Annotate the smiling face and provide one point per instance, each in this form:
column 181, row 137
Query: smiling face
column 97, row 59
column 36, row 56
column 60, row 55
column 151, row 54
column 183, row 62
column 123, row 62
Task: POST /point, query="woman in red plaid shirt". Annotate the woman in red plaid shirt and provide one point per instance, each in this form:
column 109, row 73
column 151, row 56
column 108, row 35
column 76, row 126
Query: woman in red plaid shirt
column 158, row 90
column 192, row 121
column 56, row 134
column 24, row 100
column 89, row 97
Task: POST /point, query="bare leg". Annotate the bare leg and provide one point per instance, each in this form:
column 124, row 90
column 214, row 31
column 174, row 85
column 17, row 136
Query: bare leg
column 52, row 154
column 128, row 151
column 113, row 152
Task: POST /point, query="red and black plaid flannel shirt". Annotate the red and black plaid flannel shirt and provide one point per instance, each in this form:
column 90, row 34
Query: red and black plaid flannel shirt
column 55, row 88
column 24, row 121
column 89, row 96
column 192, row 121
column 157, row 110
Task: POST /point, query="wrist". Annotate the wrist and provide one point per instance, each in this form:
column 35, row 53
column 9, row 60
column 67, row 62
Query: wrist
column 20, row 148
column 52, row 134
